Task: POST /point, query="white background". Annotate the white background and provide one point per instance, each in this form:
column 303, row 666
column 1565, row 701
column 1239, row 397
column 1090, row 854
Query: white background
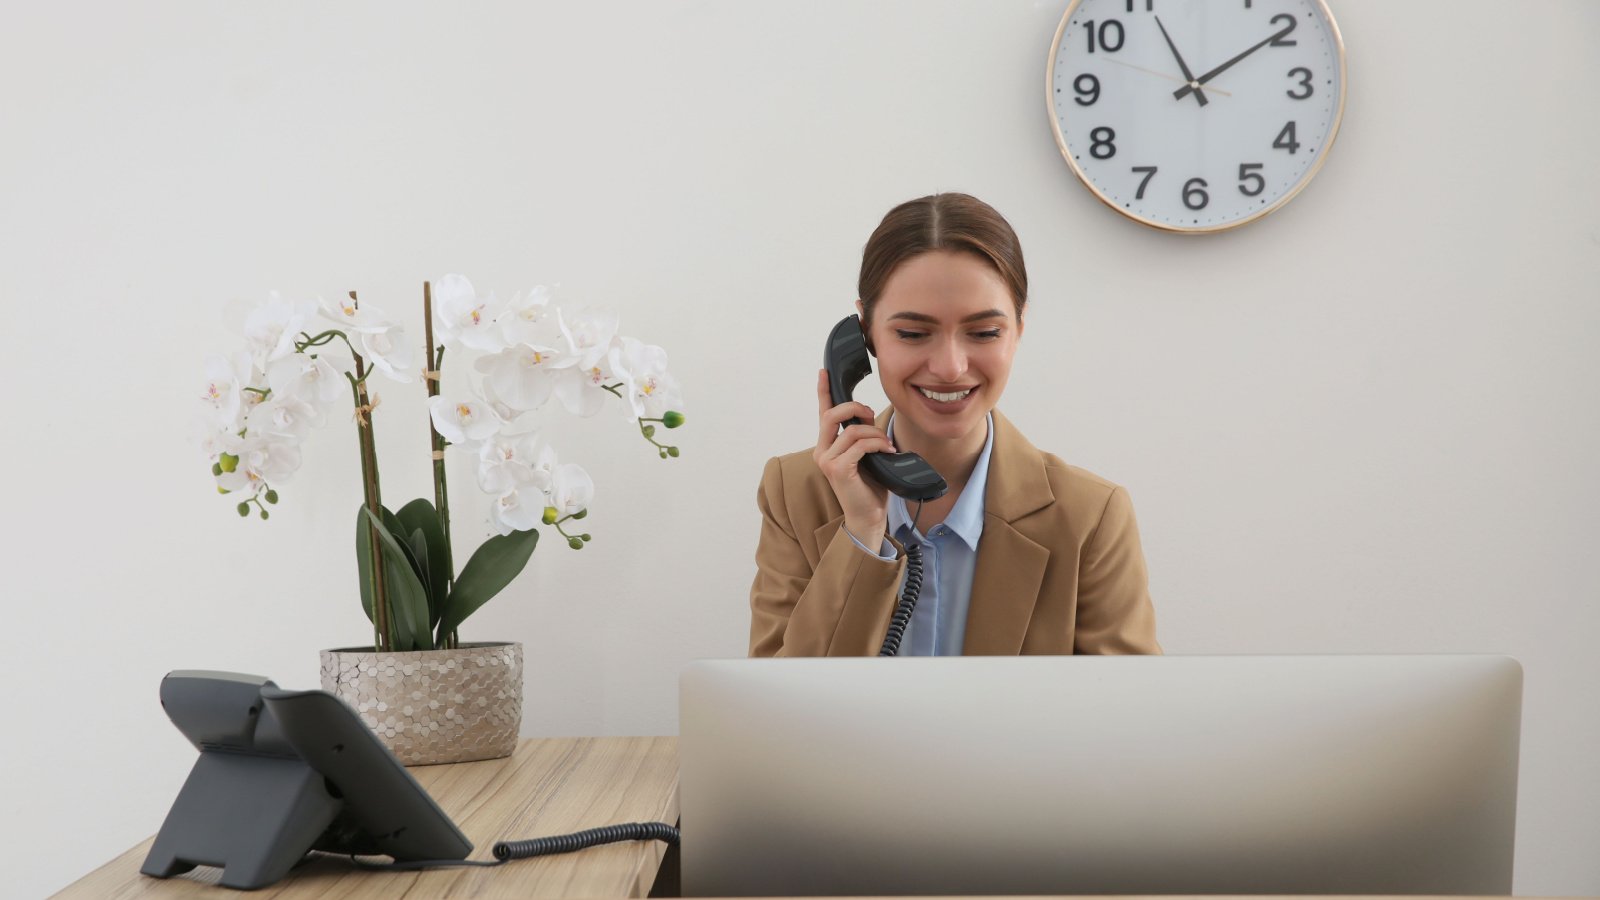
column 1365, row 424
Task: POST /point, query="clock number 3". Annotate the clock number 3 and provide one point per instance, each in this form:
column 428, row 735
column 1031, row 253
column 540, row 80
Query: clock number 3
column 1305, row 82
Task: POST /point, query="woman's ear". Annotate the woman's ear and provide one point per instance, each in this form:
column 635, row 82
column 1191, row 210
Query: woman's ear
column 866, row 333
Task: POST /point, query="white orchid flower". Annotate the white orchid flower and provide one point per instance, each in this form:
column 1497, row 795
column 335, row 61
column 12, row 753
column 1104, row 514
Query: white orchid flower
column 286, row 417
column 582, row 391
column 223, row 398
column 316, row 380
column 530, row 318
column 261, row 463
column 462, row 421
column 272, row 328
column 461, row 317
column 647, row 386
column 512, row 421
column 524, row 376
column 520, row 509
column 506, row 462
column 571, row 489
column 388, row 350
column 589, row 335
column 347, row 315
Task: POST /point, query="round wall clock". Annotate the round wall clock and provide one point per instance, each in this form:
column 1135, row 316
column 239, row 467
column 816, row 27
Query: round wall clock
column 1195, row 115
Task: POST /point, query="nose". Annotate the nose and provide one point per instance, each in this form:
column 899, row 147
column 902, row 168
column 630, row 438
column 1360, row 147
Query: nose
column 948, row 361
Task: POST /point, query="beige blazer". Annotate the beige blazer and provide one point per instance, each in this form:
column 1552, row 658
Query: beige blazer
column 1059, row 569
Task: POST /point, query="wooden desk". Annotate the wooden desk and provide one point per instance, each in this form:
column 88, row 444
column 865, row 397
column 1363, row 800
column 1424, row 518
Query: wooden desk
column 549, row 786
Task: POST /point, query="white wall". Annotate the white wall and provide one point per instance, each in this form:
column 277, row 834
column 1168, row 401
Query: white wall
column 1365, row 424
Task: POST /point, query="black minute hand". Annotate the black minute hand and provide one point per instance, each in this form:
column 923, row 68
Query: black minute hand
column 1182, row 92
column 1198, row 95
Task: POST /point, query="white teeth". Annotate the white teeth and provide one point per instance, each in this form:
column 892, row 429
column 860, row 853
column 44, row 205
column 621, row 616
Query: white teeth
column 945, row 398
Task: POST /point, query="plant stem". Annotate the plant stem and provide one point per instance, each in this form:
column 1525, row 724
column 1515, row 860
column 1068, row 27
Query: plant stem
column 369, row 482
column 441, row 490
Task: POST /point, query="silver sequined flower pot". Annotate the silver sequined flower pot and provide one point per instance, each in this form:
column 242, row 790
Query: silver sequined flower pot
column 433, row 706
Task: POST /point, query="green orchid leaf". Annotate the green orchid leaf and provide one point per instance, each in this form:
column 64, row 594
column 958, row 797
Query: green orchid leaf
column 364, row 559
column 500, row 560
column 407, row 597
column 418, row 545
column 417, row 514
column 400, row 635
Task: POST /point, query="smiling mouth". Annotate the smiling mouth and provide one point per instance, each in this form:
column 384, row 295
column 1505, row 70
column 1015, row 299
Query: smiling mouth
column 939, row 397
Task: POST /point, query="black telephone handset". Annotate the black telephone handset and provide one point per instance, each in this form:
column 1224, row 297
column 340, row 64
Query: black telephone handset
column 848, row 360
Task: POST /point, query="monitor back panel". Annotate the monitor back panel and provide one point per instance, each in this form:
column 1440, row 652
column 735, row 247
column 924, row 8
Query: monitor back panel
column 1051, row 775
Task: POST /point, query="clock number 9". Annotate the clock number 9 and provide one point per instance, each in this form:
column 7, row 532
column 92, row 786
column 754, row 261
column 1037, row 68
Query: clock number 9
column 1194, row 193
column 1305, row 82
column 1087, row 86
column 1102, row 148
column 1105, row 35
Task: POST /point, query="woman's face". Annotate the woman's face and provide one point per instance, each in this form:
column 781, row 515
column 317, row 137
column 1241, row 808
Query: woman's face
column 944, row 325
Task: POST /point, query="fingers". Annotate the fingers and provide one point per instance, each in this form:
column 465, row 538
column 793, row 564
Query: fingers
column 830, row 417
column 843, row 453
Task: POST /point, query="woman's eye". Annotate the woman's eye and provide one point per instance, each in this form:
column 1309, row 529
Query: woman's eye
column 991, row 335
column 909, row 335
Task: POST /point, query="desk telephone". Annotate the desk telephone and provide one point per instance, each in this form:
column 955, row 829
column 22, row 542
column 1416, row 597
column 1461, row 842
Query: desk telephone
column 847, row 360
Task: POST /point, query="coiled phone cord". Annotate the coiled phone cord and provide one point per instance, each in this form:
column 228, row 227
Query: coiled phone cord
column 566, row 843
column 507, row 851
column 908, row 594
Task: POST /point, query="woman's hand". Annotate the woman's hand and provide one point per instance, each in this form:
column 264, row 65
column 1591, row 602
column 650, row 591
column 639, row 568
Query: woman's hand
column 838, row 453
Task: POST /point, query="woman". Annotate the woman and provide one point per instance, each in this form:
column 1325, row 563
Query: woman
column 1024, row 554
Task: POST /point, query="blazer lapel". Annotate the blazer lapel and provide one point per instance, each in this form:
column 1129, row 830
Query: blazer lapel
column 1010, row 567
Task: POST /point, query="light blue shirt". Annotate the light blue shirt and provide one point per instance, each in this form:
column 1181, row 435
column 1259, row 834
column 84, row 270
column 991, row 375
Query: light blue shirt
column 949, row 556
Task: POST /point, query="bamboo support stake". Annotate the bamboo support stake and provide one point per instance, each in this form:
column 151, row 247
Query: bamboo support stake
column 441, row 492
column 369, row 480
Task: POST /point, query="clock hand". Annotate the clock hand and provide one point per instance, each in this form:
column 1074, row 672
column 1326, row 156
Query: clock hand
column 1187, row 77
column 1181, row 92
column 1167, row 76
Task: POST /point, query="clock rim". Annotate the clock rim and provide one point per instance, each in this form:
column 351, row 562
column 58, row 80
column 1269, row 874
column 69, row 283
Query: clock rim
column 1316, row 166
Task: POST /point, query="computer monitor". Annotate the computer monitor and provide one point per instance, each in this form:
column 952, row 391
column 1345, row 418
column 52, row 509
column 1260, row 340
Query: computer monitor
column 1103, row 775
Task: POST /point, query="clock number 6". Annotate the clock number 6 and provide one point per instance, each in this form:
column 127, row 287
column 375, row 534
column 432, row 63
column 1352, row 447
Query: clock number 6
column 1102, row 148
column 1245, row 174
column 1194, row 193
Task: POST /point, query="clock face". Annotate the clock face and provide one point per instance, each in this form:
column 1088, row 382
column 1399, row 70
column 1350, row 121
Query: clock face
column 1196, row 115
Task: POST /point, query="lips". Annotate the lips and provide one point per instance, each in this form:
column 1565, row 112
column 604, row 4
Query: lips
column 946, row 407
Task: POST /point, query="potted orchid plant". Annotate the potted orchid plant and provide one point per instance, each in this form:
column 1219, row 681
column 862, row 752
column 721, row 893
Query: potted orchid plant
column 302, row 356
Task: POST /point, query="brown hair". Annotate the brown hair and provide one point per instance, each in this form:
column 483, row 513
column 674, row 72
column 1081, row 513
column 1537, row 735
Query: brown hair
column 955, row 222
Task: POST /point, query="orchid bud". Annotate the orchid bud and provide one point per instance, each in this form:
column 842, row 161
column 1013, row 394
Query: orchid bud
column 228, row 462
column 649, row 431
column 216, row 469
column 574, row 543
column 580, row 513
column 550, row 515
column 586, row 538
column 272, row 496
column 223, row 490
column 672, row 419
column 263, row 514
column 244, row 509
column 672, row 452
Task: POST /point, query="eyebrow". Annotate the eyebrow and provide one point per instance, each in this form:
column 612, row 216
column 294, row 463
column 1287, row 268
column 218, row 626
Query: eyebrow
column 924, row 317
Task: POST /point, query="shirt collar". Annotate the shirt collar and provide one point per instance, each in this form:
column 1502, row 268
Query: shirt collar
column 966, row 517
